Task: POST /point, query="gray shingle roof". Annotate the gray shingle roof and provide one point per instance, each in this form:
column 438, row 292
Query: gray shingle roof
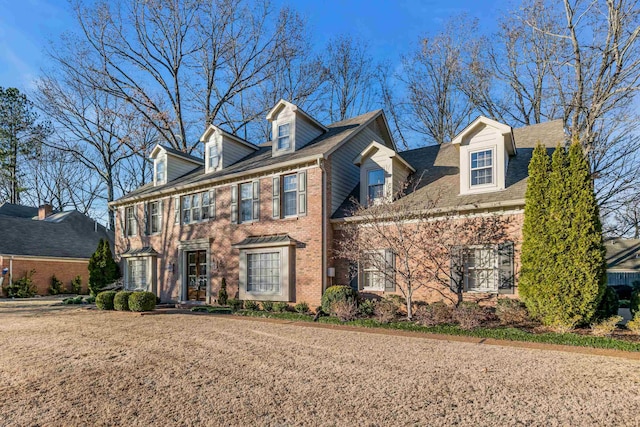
column 65, row 234
column 337, row 133
column 623, row 254
column 18, row 211
column 273, row 239
column 439, row 169
column 182, row 154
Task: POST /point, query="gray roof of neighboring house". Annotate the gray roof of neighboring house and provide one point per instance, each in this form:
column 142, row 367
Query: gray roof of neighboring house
column 19, row 211
column 438, row 170
column 63, row 234
column 262, row 157
column 182, row 154
column 623, row 254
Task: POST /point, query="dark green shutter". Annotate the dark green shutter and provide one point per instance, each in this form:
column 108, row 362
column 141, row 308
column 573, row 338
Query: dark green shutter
column 234, row 203
column 147, row 219
column 456, row 266
column 505, row 268
column 256, row 200
column 302, row 193
column 276, row 197
column 390, row 271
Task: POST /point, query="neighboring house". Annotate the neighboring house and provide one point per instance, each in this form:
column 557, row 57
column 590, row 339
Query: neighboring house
column 265, row 216
column 623, row 261
column 47, row 243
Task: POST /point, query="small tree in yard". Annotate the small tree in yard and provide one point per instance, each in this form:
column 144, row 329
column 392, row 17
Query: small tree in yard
column 103, row 270
column 408, row 245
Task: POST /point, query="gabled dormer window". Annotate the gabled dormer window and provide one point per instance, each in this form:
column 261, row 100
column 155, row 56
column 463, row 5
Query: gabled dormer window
column 482, row 167
column 214, row 157
column 284, row 142
column 375, row 185
column 160, row 171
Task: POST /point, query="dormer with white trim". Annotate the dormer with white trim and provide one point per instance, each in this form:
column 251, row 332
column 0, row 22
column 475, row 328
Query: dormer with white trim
column 292, row 128
column 485, row 147
column 169, row 164
column 222, row 149
column 383, row 173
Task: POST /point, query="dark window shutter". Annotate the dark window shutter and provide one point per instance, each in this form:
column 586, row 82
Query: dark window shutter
column 276, row 197
column 456, row 266
column 121, row 218
column 353, row 275
column 212, row 204
column 390, row 271
column 160, row 214
column 505, row 267
column 234, row 203
column 360, row 276
column 302, row 193
column 147, row 220
column 256, row 200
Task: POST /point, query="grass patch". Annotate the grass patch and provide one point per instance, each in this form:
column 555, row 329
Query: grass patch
column 501, row 333
column 212, row 309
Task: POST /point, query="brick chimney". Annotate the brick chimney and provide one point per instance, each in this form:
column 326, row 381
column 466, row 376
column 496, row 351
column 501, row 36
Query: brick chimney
column 44, row 211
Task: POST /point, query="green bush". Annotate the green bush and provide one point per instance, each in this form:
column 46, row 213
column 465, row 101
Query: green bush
column 142, row 301
column 76, row 285
column 634, row 302
column 22, row 288
column 104, row 300
column 624, row 303
column 223, row 297
column 211, row 309
column 90, row 299
column 367, row 307
column 302, row 307
column 56, row 286
column 103, row 270
column 634, row 324
column 338, row 293
column 280, row 307
column 605, row 327
column 121, row 301
column 267, row 305
column 73, row 300
column 609, row 304
column 235, row 304
column 251, row 305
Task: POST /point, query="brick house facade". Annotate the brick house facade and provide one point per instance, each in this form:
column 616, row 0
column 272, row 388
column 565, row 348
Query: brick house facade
column 266, row 218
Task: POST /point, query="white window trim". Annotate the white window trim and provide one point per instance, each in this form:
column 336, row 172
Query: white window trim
column 278, row 136
column 158, row 203
column 209, row 157
column 240, row 199
column 130, row 284
column 381, row 274
column 286, row 258
column 279, row 283
column 295, row 214
column 496, row 272
column 210, row 206
column 131, row 229
column 163, row 162
column 493, row 169
column 384, row 185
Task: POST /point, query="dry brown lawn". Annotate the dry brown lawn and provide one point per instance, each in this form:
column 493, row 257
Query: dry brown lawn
column 72, row 366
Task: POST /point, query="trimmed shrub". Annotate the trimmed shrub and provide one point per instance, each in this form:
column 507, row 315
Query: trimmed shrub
column 223, row 297
column 469, row 315
column 605, row 327
column 121, row 301
column 76, row 285
column 345, row 310
column 367, row 307
column 634, row 324
column 56, row 286
column 337, row 293
column 267, row 305
column 609, row 304
column 104, row 300
column 251, row 305
column 634, row 302
column 235, row 304
column 21, row 288
column 280, row 307
column 434, row 314
column 142, row 301
column 386, row 310
column 511, row 312
column 302, row 307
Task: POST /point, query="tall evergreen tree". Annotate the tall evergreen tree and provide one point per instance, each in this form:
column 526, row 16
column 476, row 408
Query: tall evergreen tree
column 103, row 270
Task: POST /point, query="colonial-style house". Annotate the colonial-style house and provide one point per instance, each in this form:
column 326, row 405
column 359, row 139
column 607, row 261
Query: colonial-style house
column 264, row 216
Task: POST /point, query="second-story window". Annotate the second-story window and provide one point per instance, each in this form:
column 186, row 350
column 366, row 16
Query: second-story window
column 375, row 183
column 131, row 226
column 214, row 157
column 154, row 217
column 290, row 190
column 284, row 142
column 482, row 167
column 246, row 202
column 198, row 207
column 160, row 171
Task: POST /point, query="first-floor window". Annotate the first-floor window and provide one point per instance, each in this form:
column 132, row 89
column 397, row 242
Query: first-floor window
column 263, row 272
column 372, row 277
column 481, row 269
column 136, row 274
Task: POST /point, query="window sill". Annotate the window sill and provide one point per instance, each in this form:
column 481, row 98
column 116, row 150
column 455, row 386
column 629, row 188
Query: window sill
column 373, row 289
column 481, row 291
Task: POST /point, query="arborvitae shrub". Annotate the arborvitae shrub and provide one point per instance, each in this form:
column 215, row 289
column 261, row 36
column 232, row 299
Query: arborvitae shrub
column 121, row 301
column 142, row 301
column 337, row 293
column 76, row 285
column 222, row 293
column 56, row 286
column 103, row 270
column 301, row 307
column 609, row 304
column 104, row 300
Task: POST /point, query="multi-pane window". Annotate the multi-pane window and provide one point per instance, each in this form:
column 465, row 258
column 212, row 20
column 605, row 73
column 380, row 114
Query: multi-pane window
column 482, row 167
column 198, row 207
column 290, row 190
column 263, row 272
column 375, row 182
column 160, row 171
column 246, row 202
column 214, row 157
column 372, row 276
column 154, row 217
column 284, row 142
column 481, row 269
column 136, row 274
column 131, row 225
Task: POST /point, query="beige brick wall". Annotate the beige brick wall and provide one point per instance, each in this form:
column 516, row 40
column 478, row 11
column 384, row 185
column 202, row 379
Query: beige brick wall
column 44, row 268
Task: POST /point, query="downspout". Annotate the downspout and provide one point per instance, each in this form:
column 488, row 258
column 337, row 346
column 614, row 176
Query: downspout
column 324, row 225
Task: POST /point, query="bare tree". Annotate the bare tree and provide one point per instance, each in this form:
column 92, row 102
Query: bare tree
column 409, row 242
column 350, row 73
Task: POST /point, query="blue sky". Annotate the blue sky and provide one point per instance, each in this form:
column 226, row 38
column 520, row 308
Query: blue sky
column 390, row 27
